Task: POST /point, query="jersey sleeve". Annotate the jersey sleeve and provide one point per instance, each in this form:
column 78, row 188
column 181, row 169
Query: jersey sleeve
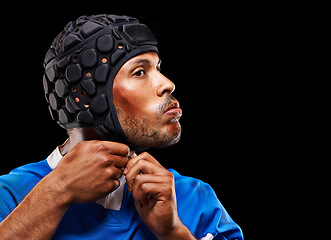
column 216, row 220
column 7, row 200
column 201, row 211
column 17, row 184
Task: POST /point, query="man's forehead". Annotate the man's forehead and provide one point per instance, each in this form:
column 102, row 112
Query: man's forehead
column 147, row 58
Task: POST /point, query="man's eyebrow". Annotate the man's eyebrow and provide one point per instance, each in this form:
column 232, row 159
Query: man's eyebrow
column 143, row 60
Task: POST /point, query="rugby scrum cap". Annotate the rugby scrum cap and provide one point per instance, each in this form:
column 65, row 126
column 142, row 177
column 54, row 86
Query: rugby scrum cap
column 81, row 65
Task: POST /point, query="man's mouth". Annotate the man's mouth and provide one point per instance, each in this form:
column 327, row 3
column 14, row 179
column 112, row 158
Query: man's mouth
column 174, row 110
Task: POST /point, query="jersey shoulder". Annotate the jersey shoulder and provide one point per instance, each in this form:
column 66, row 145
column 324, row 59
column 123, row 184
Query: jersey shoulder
column 197, row 204
column 25, row 175
column 201, row 211
column 15, row 185
column 193, row 188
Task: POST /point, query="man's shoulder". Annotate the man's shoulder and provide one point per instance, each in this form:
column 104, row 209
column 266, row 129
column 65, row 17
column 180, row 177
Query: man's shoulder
column 24, row 176
column 15, row 185
column 193, row 190
column 26, row 172
column 190, row 183
column 197, row 204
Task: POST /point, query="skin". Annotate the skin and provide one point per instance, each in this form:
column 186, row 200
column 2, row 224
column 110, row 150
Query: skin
column 89, row 170
column 141, row 97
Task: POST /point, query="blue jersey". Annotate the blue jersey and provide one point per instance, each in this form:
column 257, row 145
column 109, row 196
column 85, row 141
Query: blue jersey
column 198, row 208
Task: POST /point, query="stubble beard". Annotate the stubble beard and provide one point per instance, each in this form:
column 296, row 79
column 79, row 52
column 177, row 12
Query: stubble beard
column 141, row 132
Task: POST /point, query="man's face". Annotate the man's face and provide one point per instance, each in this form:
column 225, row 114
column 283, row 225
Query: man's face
column 148, row 113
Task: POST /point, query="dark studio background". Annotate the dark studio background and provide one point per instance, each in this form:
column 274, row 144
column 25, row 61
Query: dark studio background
column 218, row 57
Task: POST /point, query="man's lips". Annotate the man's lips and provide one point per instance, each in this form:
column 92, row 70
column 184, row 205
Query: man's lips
column 174, row 109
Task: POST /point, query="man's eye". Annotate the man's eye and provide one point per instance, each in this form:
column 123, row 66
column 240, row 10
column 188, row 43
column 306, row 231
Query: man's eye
column 139, row 73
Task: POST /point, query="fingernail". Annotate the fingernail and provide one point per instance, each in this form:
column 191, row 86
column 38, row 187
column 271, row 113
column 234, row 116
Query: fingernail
column 131, row 154
column 125, row 171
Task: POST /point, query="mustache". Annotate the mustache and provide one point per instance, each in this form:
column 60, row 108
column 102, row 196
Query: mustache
column 169, row 100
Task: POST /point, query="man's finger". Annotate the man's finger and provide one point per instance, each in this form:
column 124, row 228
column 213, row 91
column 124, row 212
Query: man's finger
column 141, row 167
column 152, row 191
column 114, row 148
column 118, row 161
column 143, row 156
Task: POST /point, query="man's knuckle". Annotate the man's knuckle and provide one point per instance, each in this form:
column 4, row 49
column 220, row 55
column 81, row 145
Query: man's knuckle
column 108, row 172
column 99, row 147
column 169, row 175
column 139, row 177
column 143, row 188
column 140, row 163
column 111, row 185
column 102, row 160
column 144, row 154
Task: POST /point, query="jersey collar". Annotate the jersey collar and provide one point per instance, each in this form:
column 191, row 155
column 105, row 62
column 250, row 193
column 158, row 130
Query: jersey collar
column 112, row 201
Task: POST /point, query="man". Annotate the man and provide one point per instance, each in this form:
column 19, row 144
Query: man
column 103, row 83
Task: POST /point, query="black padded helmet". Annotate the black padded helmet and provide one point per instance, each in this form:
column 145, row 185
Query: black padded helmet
column 81, row 65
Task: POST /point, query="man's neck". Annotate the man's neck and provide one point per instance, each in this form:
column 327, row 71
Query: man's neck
column 77, row 135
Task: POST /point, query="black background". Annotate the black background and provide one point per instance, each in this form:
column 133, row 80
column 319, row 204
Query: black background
column 221, row 58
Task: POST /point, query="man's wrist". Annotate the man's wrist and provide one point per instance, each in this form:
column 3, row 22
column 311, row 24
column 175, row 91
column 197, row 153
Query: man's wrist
column 55, row 190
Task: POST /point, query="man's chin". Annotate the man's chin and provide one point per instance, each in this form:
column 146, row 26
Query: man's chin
column 158, row 140
column 168, row 144
column 170, row 137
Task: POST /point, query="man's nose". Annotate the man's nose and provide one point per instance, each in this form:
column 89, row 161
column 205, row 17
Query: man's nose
column 164, row 85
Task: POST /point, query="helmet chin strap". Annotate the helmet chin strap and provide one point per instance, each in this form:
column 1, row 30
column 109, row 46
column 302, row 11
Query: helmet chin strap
column 77, row 135
column 80, row 68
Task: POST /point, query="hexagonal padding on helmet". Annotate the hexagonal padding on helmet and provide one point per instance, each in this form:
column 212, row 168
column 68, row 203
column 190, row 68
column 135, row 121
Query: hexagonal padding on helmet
column 81, row 65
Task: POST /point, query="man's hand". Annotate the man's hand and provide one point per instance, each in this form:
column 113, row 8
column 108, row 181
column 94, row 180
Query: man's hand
column 153, row 190
column 86, row 173
column 90, row 170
